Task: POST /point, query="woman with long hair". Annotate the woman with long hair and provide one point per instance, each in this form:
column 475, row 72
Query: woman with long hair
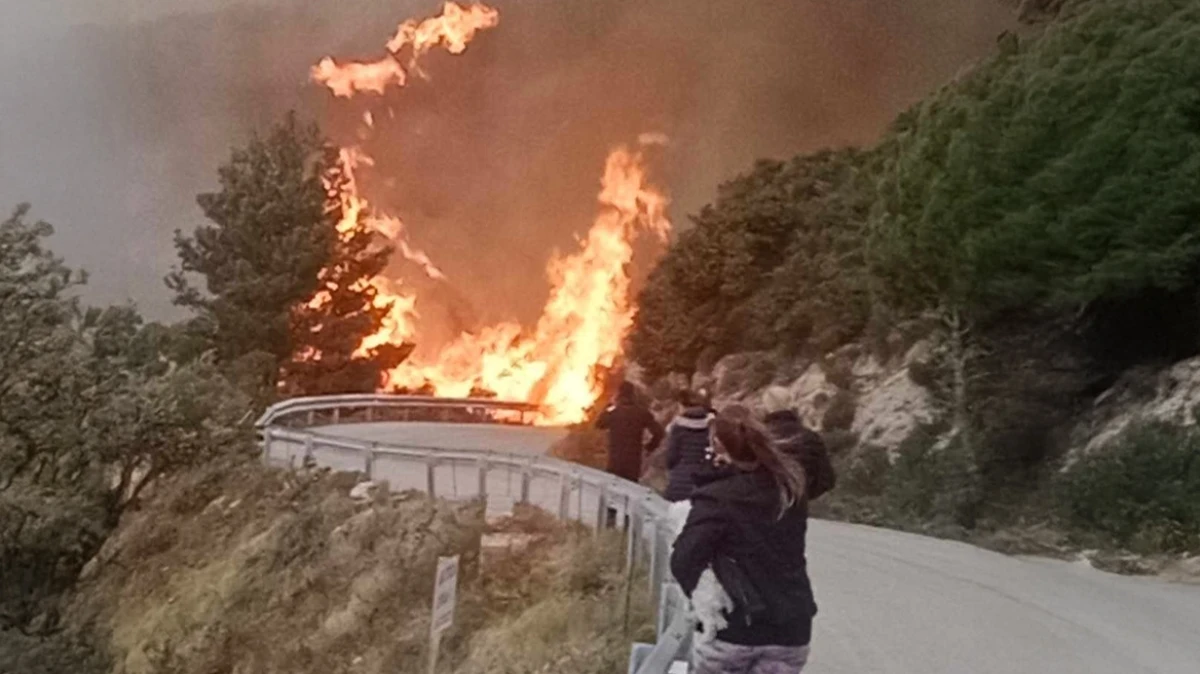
column 749, row 525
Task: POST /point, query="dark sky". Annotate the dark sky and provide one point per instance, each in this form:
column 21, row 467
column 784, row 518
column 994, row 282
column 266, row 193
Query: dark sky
column 115, row 114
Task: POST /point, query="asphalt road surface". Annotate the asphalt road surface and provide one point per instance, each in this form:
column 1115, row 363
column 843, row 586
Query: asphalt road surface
column 897, row 603
column 515, row 439
column 894, row 603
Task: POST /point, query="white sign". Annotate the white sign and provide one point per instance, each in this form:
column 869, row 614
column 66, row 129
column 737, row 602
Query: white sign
column 445, row 592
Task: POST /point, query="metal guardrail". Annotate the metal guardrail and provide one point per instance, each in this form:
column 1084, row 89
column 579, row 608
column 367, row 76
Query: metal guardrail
column 569, row 490
column 369, row 404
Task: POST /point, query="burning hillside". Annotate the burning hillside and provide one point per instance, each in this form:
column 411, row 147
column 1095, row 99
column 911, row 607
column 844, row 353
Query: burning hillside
column 556, row 362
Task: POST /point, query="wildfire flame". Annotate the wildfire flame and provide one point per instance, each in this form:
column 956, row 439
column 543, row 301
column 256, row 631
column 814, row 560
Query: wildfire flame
column 583, row 322
column 452, row 29
column 588, row 312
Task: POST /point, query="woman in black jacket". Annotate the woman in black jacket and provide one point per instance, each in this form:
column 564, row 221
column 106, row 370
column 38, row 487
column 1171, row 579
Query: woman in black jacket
column 750, row 526
column 687, row 446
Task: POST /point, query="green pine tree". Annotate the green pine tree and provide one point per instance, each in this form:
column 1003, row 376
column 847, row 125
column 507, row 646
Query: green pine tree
column 272, row 246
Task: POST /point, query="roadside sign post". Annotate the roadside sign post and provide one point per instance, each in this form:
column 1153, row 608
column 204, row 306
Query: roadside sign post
column 445, row 595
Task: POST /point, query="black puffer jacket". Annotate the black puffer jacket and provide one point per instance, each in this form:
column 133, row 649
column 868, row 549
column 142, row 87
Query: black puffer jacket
column 737, row 518
column 687, row 444
column 806, row 446
column 627, row 424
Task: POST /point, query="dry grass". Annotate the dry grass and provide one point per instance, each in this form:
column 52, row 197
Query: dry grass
column 241, row 571
column 571, row 616
column 584, row 445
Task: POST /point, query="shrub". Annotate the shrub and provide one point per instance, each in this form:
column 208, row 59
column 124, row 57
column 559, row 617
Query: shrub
column 1142, row 490
column 932, row 481
column 839, row 416
column 839, row 442
column 865, row 474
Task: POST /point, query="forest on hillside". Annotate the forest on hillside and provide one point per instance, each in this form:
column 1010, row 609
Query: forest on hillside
column 1038, row 216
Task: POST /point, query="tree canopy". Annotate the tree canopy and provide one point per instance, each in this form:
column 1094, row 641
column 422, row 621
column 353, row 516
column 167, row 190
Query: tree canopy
column 1061, row 172
column 775, row 260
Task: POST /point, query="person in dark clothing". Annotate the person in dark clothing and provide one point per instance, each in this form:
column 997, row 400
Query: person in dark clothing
column 749, row 525
column 627, row 424
column 687, row 446
column 803, row 443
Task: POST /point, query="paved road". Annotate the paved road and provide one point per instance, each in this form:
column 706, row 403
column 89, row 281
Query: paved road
column 898, row 603
column 516, row 439
column 894, row 603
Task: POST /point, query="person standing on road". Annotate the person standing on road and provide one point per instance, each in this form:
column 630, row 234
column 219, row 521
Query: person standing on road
column 749, row 525
column 687, row 446
column 627, row 424
column 803, row 443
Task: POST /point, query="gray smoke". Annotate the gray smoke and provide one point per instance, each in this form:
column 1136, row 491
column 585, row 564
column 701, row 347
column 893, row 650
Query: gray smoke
column 115, row 113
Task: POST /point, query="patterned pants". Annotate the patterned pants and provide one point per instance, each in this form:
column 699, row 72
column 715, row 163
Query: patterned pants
column 719, row 657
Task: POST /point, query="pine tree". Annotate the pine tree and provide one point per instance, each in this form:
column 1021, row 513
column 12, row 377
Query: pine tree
column 273, row 245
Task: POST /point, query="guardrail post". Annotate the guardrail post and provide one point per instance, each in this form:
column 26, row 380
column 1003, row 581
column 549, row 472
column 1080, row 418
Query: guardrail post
column 564, row 496
column 430, row 466
column 526, row 483
column 308, row 450
column 602, row 510
column 266, row 446
column 633, row 533
column 312, row 417
column 483, row 476
column 370, row 413
column 660, row 560
column 652, row 550
column 369, row 461
column 337, row 415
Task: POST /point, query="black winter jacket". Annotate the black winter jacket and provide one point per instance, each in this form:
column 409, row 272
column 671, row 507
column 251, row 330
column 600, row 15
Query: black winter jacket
column 806, row 446
column 737, row 518
column 687, row 444
column 627, row 424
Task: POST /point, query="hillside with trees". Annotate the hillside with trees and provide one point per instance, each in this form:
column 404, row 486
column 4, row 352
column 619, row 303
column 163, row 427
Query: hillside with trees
column 1036, row 221
column 97, row 405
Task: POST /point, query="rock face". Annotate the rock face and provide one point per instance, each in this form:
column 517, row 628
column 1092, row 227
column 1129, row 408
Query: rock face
column 886, row 404
column 1171, row 395
column 890, row 411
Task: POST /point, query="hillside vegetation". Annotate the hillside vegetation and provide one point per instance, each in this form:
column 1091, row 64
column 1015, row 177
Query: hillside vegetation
column 98, row 406
column 1038, row 220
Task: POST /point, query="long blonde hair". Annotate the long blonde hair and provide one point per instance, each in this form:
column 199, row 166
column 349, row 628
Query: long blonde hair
column 749, row 445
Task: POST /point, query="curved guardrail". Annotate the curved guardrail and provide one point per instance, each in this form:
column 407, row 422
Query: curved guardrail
column 569, row 490
column 370, row 404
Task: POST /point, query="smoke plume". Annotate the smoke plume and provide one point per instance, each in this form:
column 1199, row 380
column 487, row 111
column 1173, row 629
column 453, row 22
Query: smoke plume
column 112, row 127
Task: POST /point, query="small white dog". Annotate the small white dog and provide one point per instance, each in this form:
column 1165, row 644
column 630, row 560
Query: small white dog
column 710, row 602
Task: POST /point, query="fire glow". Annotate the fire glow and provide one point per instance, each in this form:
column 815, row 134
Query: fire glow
column 555, row 363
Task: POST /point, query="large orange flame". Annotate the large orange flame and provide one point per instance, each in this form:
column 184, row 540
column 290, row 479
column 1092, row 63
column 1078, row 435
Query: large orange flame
column 584, row 321
column 452, row 29
column 587, row 315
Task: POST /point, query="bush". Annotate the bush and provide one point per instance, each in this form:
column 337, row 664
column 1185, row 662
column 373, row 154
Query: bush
column 1142, row 490
column 62, row 653
column 865, row 474
column 839, row 416
column 933, row 482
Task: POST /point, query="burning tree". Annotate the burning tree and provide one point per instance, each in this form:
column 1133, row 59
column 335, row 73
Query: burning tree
column 285, row 273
